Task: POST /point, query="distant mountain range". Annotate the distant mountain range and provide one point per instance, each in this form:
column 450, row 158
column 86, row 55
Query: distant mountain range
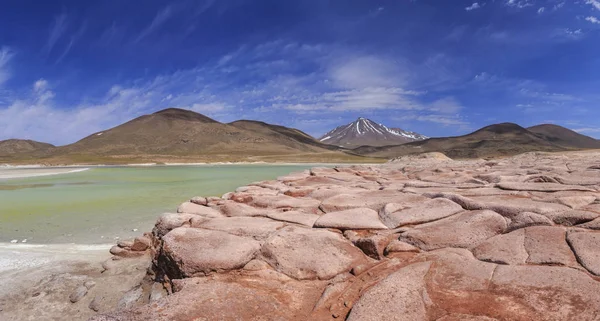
column 177, row 135
column 491, row 141
column 365, row 132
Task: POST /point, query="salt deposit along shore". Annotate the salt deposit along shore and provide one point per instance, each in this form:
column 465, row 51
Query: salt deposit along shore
column 419, row 238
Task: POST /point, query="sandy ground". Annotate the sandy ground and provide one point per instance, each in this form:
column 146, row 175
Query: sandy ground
column 23, row 172
column 37, row 280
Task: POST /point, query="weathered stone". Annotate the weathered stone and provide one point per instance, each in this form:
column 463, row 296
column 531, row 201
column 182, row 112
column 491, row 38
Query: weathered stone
column 397, row 297
column 542, row 187
column 130, row 298
column 587, row 249
column 428, row 211
column 357, row 218
column 141, row 243
column 297, row 217
column 303, row 253
column 373, row 246
column 95, row 304
column 547, row 245
column 170, row 221
column 465, row 230
column 191, row 208
column 78, row 294
column 188, row 252
column 374, row 200
column 572, row 217
column 576, row 202
column 243, row 298
column 397, row 246
column 255, row 227
column 199, row 200
column 525, row 219
column 232, row 208
column 503, row 249
column 157, row 292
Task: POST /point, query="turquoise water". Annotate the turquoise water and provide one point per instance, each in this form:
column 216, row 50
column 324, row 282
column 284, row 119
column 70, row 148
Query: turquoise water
column 99, row 204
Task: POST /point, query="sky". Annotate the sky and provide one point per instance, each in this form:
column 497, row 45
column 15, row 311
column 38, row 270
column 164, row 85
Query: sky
column 441, row 68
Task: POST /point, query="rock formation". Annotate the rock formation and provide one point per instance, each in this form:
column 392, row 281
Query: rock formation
column 419, row 238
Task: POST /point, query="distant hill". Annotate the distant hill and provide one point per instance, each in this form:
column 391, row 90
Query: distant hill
column 494, row 140
column 174, row 135
column 364, row 131
column 564, row 137
column 15, row 146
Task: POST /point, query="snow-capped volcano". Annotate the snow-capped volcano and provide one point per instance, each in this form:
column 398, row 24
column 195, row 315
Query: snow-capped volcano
column 364, row 131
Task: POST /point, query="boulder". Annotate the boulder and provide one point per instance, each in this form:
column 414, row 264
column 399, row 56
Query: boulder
column 586, row 246
column 503, row 249
column 541, row 187
column 205, row 211
column 572, row 217
column 428, row 211
column 397, row 246
column 303, row 253
column 297, row 217
column 357, row 218
column 219, row 298
column 78, row 294
column 547, row 245
column 141, row 243
column 465, row 230
column 254, row 227
column 374, row 200
column 398, row 297
column 169, row 221
column 188, row 252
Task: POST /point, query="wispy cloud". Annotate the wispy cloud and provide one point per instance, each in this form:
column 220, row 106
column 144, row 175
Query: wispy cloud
column 58, row 28
column 5, row 56
column 541, row 10
column 161, row 17
column 520, row 4
column 74, row 38
column 594, row 3
column 593, row 19
column 474, row 6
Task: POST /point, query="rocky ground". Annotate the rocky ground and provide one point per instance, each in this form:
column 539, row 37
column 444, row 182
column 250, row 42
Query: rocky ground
column 420, row 238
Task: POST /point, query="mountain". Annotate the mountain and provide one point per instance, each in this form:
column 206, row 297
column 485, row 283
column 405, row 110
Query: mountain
column 367, row 132
column 15, row 146
column 491, row 141
column 178, row 135
column 564, row 137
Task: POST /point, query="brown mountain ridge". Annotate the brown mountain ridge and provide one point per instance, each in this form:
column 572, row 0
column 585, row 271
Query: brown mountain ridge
column 178, row 135
column 491, row 141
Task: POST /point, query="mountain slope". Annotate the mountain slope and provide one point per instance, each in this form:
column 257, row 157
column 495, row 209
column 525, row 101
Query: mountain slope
column 367, row 132
column 284, row 134
column 494, row 140
column 177, row 135
column 564, row 137
column 17, row 146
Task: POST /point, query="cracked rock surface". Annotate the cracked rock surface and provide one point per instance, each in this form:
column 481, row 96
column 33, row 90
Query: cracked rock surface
column 419, row 238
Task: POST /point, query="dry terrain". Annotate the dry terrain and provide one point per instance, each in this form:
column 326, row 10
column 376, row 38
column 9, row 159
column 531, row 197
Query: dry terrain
column 420, row 238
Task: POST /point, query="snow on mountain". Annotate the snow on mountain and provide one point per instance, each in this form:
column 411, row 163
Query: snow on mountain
column 364, row 131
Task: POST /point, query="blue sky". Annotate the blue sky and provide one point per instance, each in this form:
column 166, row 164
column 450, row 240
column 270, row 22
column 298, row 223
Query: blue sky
column 71, row 68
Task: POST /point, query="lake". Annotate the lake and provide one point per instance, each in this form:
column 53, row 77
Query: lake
column 102, row 203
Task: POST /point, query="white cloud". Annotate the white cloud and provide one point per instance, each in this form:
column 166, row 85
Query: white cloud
column 558, row 6
column 474, row 6
column 519, row 3
column 58, row 29
column 587, row 130
column 593, row 19
column 161, row 17
column 212, row 108
column 541, row 10
column 594, row 3
column 40, row 85
column 5, row 56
